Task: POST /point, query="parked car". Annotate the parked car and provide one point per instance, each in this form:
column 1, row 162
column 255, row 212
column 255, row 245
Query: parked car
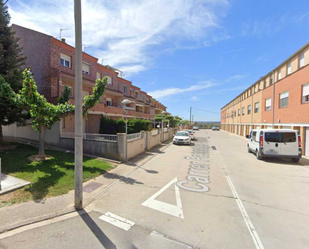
column 191, row 133
column 182, row 137
column 196, row 128
column 275, row 143
column 215, row 128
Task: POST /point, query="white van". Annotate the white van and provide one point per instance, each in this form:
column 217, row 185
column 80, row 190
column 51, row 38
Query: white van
column 275, row 143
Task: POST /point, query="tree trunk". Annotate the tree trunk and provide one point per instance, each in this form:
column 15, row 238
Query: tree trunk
column 41, row 142
column 1, row 137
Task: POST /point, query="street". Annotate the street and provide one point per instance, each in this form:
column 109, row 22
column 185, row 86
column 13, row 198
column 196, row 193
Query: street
column 212, row 194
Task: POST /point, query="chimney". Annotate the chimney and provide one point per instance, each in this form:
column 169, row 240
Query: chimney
column 63, row 40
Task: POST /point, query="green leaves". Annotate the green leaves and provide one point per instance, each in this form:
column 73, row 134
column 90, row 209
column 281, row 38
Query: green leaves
column 47, row 114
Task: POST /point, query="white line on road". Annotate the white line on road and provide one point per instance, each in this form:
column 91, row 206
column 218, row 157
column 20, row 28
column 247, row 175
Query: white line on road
column 254, row 235
column 117, row 221
column 166, row 207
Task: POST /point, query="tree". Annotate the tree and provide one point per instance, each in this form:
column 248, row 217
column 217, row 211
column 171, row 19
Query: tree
column 11, row 107
column 44, row 114
column 11, row 60
column 11, row 72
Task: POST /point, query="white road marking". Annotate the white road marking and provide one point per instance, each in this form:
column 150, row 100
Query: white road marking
column 154, row 233
column 117, row 221
column 166, row 207
column 253, row 233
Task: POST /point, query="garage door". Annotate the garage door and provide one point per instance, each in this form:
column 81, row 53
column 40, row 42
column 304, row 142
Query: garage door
column 286, row 127
column 235, row 129
column 239, row 129
column 269, row 126
column 258, row 127
column 307, row 142
column 245, row 133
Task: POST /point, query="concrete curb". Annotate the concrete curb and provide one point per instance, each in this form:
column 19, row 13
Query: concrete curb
column 36, row 219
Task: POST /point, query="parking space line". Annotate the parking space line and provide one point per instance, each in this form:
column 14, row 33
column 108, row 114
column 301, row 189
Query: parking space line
column 117, row 221
column 253, row 233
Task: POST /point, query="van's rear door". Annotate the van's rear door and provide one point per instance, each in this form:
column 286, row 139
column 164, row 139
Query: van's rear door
column 272, row 143
column 289, row 145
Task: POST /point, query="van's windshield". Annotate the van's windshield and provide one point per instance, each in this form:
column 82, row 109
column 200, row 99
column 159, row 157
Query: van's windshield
column 280, row 137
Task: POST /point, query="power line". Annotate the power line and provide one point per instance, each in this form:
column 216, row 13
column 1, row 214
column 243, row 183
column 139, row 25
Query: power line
column 206, row 110
column 5, row 2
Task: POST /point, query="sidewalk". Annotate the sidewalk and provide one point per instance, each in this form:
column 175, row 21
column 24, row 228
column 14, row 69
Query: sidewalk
column 27, row 213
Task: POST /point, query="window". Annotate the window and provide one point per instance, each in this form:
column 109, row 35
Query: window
column 306, row 93
column 238, row 112
column 71, row 92
column 101, row 99
column 280, row 137
column 271, row 79
column 109, row 102
column 99, row 76
column 85, row 68
column 256, row 107
column 136, row 93
column 289, row 68
column 85, row 93
column 301, row 59
column 268, row 104
column 65, row 60
column 279, row 74
column 109, row 80
column 125, row 89
column 249, row 109
column 284, row 99
column 243, row 111
column 63, row 123
column 253, row 136
column 273, row 137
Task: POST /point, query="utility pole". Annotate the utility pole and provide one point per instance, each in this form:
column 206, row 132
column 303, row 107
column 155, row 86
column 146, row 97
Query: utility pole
column 190, row 115
column 78, row 194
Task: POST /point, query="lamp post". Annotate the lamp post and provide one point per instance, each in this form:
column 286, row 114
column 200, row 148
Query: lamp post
column 123, row 105
column 163, row 112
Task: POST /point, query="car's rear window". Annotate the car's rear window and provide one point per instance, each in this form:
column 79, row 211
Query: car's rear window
column 288, row 137
column 280, row 137
column 185, row 134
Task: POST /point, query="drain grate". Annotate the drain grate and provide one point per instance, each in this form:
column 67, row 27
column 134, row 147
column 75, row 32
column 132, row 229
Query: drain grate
column 214, row 147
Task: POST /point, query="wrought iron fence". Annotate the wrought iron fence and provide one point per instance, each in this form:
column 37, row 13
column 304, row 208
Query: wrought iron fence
column 90, row 136
column 134, row 136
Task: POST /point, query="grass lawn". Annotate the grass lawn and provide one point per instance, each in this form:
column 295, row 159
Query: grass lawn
column 52, row 177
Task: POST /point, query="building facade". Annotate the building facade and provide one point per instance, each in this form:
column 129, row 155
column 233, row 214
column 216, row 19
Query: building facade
column 278, row 100
column 53, row 66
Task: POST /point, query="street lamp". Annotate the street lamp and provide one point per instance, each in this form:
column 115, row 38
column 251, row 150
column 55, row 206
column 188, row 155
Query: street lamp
column 163, row 112
column 123, row 105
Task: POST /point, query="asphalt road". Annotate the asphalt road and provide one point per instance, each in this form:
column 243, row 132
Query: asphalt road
column 213, row 194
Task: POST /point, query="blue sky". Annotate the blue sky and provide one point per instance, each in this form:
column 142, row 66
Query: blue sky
column 199, row 53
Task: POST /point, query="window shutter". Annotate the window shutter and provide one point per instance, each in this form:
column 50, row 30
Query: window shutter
column 302, row 59
column 268, row 102
column 86, row 67
column 284, row 95
column 306, row 90
column 65, row 57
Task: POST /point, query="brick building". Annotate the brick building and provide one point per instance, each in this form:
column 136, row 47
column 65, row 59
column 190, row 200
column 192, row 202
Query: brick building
column 277, row 100
column 53, row 65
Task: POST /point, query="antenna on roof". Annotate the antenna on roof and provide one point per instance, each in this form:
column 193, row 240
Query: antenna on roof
column 103, row 61
column 85, row 48
column 60, row 31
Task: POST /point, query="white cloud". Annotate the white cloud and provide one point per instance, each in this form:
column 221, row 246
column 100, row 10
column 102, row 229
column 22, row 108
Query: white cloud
column 194, row 98
column 126, row 32
column 158, row 94
column 236, row 77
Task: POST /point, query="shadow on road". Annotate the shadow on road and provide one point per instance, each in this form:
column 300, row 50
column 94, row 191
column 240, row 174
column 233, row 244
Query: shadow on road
column 95, row 229
column 287, row 161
